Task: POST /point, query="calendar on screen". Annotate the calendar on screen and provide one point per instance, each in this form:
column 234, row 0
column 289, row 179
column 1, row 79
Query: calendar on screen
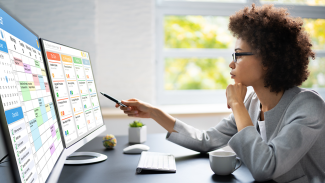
column 27, row 102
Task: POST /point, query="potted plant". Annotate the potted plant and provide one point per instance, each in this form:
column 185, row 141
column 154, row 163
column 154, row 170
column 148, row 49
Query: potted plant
column 137, row 132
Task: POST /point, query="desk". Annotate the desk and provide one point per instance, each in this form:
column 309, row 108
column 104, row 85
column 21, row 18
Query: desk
column 191, row 166
column 119, row 168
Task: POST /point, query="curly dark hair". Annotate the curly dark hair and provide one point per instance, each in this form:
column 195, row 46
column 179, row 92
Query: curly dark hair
column 279, row 40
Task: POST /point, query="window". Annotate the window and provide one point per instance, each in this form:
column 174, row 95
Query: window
column 316, row 79
column 194, row 47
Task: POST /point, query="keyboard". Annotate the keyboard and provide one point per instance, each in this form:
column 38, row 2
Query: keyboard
column 155, row 161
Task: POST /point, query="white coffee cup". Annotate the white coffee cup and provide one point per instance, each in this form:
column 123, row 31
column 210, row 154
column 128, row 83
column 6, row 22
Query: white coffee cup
column 223, row 162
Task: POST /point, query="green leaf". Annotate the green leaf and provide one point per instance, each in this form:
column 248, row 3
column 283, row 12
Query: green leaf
column 136, row 123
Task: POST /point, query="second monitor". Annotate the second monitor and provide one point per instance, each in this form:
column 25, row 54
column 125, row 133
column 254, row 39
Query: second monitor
column 72, row 80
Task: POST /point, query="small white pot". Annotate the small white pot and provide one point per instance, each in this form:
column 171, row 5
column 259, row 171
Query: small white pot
column 137, row 135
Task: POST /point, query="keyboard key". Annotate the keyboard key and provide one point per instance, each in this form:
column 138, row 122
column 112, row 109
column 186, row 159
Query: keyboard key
column 161, row 162
column 166, row 162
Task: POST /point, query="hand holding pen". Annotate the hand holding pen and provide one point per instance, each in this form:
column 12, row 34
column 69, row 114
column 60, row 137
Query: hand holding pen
column 133, row 107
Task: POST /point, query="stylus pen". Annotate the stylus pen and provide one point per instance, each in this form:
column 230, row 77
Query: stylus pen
column 114, row 100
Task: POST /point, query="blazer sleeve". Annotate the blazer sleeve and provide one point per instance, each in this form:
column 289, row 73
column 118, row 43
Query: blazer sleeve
column 304, row 122
column 206, row 140
column 203, row 140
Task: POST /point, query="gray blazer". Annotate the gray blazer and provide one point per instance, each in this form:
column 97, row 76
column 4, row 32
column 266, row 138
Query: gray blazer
column 294, row 150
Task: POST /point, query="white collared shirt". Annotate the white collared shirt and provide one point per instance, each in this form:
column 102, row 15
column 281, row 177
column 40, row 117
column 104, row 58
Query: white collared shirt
column 261, row 125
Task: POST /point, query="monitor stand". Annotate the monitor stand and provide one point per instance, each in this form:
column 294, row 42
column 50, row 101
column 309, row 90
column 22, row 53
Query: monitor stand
column 96, row 157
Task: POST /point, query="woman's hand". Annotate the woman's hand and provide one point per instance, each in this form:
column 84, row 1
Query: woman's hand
column 235, row 94
column 136, row 108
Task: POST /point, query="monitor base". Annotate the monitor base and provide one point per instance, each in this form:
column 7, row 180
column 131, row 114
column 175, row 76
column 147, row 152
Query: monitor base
column 97, row 157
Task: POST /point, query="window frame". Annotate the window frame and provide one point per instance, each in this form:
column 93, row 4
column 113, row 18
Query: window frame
column 183, row 8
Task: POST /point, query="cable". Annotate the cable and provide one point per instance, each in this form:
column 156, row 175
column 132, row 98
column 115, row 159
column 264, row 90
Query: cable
column 3, row 158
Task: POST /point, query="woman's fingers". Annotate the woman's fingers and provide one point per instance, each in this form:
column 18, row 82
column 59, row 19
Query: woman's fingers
column 125, row 108
column 135, row 108
column 131, row 112
column 133, row 115
column 131, row 102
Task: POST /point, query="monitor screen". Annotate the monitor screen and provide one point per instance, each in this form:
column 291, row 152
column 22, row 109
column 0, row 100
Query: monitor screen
column 75, row 92
column 27, row 102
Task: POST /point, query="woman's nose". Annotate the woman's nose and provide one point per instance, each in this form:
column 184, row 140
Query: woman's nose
column 232, row 64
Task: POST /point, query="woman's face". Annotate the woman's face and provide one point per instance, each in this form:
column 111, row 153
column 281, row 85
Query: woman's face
column 248, row 69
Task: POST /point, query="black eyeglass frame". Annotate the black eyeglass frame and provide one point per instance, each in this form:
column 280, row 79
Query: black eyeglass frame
column 234, row 55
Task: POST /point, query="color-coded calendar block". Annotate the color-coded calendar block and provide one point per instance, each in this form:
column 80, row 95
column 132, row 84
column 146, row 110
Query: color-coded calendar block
column 41, row 82
column 31, row 86
column 66, row 58
column 53, row 132
column 77, row 60
column 47, row 107
column 38, row 116
column 38, row 143
column 33, row 124
column 52, row 148
column 57, row 134
column 43, row 72
column 27, row 69
column 47, row 88
column 25, row 90
column 45, row 118
column 37, row 64
column 35, row 79
column 35, row 134
column 53, row 56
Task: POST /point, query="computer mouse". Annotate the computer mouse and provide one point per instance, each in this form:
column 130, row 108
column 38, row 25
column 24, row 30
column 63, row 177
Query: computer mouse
column 136, row 149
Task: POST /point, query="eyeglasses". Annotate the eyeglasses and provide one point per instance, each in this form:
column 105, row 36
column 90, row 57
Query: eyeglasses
column 235, row 55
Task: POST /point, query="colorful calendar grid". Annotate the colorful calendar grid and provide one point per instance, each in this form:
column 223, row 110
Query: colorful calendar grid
column 28, row 105
column 39, row 118
column 73, row 82
column 37, row 104
column 25, row 89
column 60, row 85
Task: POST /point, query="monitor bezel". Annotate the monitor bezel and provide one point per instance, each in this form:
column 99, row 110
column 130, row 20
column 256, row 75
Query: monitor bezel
column 5, row 130
column 98, row 130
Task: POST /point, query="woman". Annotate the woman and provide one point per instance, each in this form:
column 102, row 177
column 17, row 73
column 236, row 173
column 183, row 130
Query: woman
column 278, row 131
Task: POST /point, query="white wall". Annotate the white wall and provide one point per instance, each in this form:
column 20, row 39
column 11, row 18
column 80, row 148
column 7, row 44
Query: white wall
column 125, row 49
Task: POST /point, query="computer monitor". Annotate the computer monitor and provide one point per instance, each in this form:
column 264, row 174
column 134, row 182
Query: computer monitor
column 74, row 91
column 29, row 123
